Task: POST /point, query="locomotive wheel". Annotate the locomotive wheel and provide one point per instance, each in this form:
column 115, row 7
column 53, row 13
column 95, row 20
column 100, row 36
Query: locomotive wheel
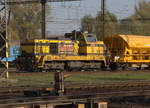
column 138, row 68
column 103, row 67
column 113, row 66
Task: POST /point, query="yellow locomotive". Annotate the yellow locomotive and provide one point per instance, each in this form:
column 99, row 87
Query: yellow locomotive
column 77, row 51
column 128, row 51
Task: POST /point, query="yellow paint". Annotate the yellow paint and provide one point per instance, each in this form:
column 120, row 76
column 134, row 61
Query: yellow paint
column 47, row 50
column 6, row 73
column 128, row 48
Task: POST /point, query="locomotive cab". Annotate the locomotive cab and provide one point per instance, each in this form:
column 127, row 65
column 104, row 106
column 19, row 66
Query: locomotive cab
column 89, row 45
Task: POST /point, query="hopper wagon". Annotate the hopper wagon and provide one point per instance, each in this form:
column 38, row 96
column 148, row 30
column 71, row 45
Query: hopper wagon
column 128, row 51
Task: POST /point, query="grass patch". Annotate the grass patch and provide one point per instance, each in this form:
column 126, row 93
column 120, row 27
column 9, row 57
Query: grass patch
column 101, row 77
column 47, row 78
column 32, row 79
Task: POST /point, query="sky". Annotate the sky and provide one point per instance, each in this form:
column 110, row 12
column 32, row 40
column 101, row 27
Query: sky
column 66, row 16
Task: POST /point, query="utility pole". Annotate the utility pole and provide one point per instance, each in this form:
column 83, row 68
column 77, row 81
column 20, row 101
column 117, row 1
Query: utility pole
column 43, row 2
column 103, row 10
column 3, row 39
column 6, row 19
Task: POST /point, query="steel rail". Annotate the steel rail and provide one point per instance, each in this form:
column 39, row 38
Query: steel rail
column 72, row 98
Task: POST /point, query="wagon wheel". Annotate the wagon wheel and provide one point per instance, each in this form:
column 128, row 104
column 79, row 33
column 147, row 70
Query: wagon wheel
column 124, row 66
column 67, row 67
column 113, row 66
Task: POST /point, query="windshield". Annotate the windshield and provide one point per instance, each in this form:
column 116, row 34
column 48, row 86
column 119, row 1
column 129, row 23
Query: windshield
column 91, row 38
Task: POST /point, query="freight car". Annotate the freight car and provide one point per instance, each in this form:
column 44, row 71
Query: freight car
column 13, row 54
column 128, row 51
column 77, row 51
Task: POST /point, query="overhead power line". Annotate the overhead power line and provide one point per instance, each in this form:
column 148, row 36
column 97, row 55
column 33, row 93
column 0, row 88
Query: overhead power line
column 43, row 2
column 16, row 2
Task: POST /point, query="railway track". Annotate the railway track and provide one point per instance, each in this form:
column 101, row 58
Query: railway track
column 78, row 88
column 108, row 86
column 74, row 92
column 68, row 99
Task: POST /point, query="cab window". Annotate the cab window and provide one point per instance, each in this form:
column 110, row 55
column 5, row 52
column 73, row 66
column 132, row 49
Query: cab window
column 91, row 38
